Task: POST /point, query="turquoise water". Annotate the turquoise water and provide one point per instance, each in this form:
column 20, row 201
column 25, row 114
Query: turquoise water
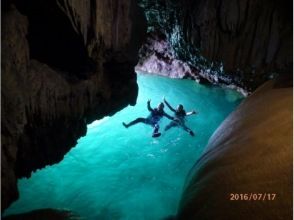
column 118, row 173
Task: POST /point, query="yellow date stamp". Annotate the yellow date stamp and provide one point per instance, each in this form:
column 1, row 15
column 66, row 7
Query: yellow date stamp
column 252, row 196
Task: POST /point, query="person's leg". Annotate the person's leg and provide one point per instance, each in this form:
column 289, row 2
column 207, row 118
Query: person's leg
column 138, row 120
column 188, row 130
column 170, row 125
column 156, row 132
column 156, row 128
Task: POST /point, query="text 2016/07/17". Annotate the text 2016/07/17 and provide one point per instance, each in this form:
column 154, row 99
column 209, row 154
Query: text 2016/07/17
column 252, row 196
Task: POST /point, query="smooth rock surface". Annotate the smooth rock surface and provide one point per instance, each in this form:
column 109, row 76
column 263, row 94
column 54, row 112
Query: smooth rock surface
column 251, row 152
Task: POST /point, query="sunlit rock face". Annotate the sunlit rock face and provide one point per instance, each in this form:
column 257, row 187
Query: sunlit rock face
column 64, row 64
column 157, row 56
column 243, row 43
column 251, row 152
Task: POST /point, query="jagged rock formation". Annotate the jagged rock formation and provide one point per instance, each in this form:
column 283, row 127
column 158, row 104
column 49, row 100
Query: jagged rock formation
column 241, row 42
column 64, row 64
column 251, row 152
column 156, row 56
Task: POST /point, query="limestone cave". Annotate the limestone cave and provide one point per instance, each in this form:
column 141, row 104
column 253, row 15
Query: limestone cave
column 74, row 71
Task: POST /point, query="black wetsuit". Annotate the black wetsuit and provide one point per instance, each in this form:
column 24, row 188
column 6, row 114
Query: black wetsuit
column 180, row 115
column 179, row 120
column 153, row 119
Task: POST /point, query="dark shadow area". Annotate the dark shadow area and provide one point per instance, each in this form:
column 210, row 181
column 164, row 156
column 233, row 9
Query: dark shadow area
column 53, row 40
column 44, row 214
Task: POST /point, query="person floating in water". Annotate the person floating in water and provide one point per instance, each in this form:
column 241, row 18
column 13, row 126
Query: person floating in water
column 179, row 118
column 153, row 119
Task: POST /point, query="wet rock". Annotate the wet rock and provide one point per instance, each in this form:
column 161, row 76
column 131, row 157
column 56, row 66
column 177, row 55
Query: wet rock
column 240, row 43
column 157, row 56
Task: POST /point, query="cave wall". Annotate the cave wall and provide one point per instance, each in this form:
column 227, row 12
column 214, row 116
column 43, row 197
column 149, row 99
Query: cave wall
column 242, row 42
column 64, row 64
column 251, row 152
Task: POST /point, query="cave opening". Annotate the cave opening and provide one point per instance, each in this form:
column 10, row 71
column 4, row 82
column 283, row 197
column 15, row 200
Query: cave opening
column 54, row 41
column 105, row 179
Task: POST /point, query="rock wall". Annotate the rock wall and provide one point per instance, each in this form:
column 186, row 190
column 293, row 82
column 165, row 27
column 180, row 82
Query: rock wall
column 251, row 152
column 156, row 56
column 240, row 42
column 64, row 64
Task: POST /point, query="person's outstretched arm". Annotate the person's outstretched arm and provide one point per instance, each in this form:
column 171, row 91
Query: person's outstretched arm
column 168, row 105
column 168, row 116
column 191, row 113
column 148, row 105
